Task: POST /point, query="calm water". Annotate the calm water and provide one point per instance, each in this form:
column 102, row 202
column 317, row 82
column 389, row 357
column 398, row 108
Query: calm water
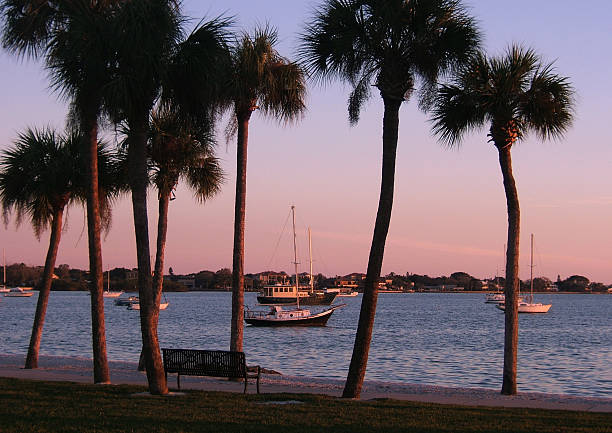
column 436, row 339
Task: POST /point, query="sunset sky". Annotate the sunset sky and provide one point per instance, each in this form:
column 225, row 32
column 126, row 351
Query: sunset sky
column 449, row 210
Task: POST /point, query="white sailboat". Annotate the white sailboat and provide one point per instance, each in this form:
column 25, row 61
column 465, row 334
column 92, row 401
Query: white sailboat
column 527, row 305
column 3, row 288
column 108, row 293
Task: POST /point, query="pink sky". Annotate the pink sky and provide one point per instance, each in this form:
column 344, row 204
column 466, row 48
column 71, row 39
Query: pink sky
column 449, row 211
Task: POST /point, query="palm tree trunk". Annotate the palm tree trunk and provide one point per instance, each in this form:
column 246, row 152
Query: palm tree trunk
column 98, row 332
column 149, row 306
column 43, row 296
column 237, row 327
column 359, row 360
column 158, row 274
column 162, row 230
column 512, row 280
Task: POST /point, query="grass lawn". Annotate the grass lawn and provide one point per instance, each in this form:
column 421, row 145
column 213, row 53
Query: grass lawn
column 33, row 406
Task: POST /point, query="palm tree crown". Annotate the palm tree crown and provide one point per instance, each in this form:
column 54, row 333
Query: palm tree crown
column 177, row 152
column 262, row 79
column 45, row 172
column 515, row 94
column 389, row 44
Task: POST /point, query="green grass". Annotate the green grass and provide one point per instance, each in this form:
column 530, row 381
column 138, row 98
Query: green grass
column 33, row 406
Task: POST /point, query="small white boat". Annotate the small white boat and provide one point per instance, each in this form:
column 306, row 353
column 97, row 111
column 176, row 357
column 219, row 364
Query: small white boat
column 122, row 302
column 494, row 298
column 18, row 292
column 136, row 306
column 348, row 294
column 4, row 289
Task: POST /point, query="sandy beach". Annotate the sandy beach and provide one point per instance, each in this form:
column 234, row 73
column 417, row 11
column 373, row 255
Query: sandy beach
column 72, row 369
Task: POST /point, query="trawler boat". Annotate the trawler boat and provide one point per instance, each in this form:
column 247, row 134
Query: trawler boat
column 288, row 295
column 283, row 294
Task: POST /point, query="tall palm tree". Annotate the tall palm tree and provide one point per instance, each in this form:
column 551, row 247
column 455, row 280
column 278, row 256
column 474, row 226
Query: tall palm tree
column 149, row 57
column 39, row 177
column 259, row 79
column 514, row 94
column 177, row 152
column 388, row 44
column 72, row 37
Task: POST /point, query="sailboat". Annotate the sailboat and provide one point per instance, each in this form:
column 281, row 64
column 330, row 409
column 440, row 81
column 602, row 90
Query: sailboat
column 276, row 316
column 108, row 293
column 281, row 294
column 3, row 288
column 527, row 305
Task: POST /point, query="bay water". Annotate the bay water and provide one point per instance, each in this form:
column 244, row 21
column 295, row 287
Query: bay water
column 425, row 338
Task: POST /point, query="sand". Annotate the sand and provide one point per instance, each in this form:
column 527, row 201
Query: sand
column 73, row 369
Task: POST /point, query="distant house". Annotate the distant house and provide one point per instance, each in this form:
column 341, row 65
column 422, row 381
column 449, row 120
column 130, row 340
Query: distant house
column 269, row 278
column 131, row 275
column 188, row 281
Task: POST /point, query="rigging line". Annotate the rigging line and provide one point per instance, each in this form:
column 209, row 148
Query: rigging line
column 278, row 240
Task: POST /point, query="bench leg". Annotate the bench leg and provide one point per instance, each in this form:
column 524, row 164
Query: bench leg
column 178, row 381
column 246, row 382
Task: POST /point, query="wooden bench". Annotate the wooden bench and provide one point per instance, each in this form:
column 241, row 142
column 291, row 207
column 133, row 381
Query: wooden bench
column 214, row 363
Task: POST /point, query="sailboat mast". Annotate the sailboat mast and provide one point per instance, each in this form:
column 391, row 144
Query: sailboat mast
column 310, row 254
column 4, row 261
column 531, row 266
column 295, row 262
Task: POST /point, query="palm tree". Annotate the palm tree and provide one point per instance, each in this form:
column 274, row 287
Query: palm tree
column 42, row 174
column 388, row 44
column 260, row 78
column 514, row 94
column 149, row 58
column 72, row 36
column 177, row 152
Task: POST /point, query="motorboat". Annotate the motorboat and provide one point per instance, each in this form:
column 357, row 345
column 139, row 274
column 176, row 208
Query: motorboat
column 276, row 316
column 122, row 302
column 18, row 292
column 494, row 298
column 343, row 292
column 136, row 306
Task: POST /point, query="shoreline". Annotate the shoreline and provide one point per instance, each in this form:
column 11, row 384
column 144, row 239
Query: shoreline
column 75, row 369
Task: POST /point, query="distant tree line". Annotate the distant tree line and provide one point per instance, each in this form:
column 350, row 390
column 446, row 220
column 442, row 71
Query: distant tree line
column 73, row 279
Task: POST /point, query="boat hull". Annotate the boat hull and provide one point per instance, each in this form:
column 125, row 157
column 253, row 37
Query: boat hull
column 529, row 308
column 319, row 319
column 311, row 299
